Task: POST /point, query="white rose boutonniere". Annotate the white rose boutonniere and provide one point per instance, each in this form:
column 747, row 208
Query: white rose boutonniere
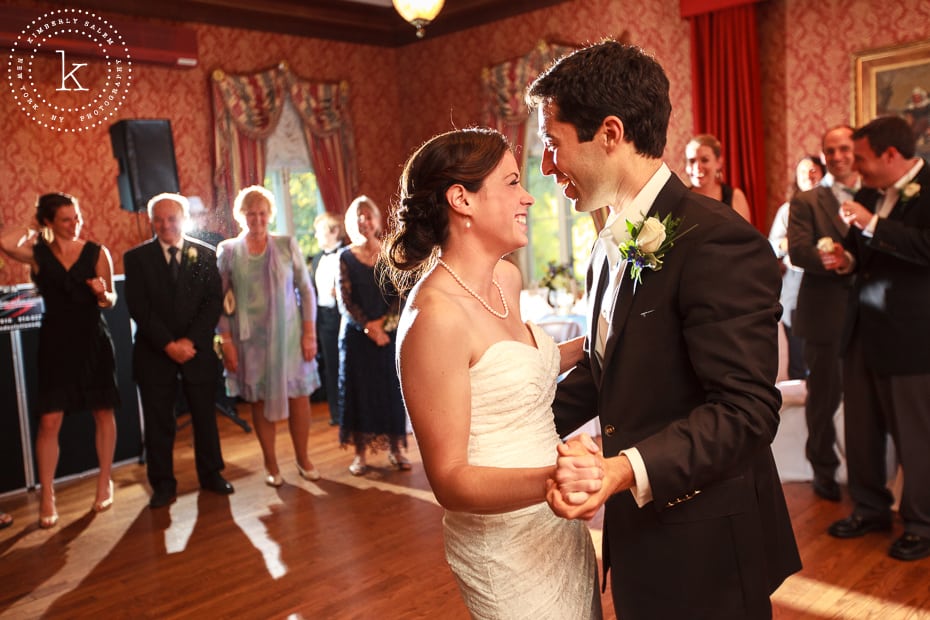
column 911, row 190
column 649, row 241
column 191, row 254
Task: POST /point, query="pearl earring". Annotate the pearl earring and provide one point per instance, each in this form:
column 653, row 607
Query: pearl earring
column 467, row 223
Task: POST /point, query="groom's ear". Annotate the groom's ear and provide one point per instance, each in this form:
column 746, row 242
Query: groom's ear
column 611, row 132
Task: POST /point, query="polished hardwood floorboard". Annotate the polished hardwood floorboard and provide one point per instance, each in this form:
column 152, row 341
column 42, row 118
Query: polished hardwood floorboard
column 342, row 548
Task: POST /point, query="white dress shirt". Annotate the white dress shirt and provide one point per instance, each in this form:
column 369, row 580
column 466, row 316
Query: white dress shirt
column 611, row 236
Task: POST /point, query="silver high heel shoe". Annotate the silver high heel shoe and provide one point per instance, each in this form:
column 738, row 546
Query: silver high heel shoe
column 313, row 474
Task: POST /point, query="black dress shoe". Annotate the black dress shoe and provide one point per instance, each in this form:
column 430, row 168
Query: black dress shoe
column 910, row 547
column 161, row 499
column 219, row 485
column 827, row 488
column 855, row 526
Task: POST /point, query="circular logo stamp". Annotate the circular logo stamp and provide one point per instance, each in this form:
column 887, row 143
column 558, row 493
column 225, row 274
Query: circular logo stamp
column 69, row 70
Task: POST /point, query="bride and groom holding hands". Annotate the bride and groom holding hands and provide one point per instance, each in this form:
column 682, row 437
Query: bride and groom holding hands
column 679, row 365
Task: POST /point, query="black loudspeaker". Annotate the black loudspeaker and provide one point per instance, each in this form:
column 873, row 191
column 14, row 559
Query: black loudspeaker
column 145, row 151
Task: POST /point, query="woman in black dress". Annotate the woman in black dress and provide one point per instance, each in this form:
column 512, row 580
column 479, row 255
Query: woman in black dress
column 77, row 369
column 371, row 408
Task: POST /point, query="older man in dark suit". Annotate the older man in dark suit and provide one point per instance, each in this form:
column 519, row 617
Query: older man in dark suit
column 887, row 336
column 814, row 221
column 174, row 296
column 681, row 358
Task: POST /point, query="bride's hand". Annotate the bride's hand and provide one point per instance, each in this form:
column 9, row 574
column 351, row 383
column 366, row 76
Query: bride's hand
column 579, row 469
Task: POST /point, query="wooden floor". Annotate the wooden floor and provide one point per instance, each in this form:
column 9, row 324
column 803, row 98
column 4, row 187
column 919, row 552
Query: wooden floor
column 345, row 547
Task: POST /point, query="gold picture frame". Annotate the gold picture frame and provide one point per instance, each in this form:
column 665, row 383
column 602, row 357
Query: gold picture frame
column 895, row 80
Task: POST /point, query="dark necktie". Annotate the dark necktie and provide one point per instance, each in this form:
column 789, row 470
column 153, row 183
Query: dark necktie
column 174, row 267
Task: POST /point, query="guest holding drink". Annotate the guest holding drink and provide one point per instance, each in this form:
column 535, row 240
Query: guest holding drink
column 76, row 364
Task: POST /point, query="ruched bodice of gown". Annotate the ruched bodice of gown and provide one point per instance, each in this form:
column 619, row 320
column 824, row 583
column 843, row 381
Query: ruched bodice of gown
column 526, row 563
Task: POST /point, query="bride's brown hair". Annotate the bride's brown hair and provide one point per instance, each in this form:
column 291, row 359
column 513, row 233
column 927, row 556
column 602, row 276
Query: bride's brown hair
column 420, row 223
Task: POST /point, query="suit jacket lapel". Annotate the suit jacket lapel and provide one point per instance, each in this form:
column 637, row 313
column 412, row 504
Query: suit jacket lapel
column 626, row 288
column 828, row 204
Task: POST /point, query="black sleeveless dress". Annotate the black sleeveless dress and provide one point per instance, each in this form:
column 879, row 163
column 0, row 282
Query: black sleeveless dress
column 77, row 366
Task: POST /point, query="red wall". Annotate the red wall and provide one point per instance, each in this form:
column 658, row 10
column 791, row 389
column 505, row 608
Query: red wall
column 400, row 97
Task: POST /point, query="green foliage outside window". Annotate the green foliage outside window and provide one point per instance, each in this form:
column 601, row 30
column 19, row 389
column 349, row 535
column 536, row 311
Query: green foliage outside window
column 306, row 204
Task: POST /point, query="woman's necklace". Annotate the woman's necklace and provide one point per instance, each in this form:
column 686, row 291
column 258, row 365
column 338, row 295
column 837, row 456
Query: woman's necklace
column 455, row 276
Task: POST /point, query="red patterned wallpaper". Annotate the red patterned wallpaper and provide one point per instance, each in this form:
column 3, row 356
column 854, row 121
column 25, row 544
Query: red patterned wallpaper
column 401, row 97
column 807, row 49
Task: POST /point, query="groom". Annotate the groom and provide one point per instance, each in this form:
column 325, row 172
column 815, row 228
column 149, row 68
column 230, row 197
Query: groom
column 681, row 359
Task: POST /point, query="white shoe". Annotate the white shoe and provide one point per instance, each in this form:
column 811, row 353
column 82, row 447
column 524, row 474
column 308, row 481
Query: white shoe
column 313, row 474
column 358, row 466
column 273, row 480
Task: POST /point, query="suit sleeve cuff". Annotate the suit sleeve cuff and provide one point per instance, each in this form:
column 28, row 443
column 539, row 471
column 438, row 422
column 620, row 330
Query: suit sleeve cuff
column 642, row 491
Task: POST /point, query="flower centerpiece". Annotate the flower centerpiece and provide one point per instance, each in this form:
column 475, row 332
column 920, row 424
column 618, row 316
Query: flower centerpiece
column 562, row 285
column 649, row 241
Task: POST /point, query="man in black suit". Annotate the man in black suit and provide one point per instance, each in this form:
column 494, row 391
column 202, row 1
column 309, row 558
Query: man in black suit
column 324, row 270
column 887, row 336
column 174, row 295
column 814, row 221
column 680, row 361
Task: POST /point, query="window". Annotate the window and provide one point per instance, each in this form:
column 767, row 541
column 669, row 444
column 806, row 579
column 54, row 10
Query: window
column 557, row 232
column 289, row 176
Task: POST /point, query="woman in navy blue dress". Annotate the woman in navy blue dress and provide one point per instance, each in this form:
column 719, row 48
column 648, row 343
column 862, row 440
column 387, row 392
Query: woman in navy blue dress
column 371, row 406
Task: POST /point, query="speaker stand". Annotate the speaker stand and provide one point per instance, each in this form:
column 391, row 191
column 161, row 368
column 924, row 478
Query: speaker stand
column 229, row 410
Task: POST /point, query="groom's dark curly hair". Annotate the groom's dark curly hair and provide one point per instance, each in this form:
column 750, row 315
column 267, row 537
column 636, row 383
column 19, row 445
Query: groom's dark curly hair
column 609, row 79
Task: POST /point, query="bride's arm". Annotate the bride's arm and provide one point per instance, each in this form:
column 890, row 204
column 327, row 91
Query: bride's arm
column 434, row 353
column 571, row 352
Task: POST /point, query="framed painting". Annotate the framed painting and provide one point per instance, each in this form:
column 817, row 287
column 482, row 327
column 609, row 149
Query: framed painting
column 895, row 80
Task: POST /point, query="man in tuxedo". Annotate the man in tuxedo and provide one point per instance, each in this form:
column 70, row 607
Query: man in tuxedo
column 887, row 335
column 814, row 216
column 680, row 363
column 174, row 295
column 324, row 270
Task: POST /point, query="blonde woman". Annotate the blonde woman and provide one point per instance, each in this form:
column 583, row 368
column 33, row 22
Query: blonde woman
column 267, row 332
column 371, row 409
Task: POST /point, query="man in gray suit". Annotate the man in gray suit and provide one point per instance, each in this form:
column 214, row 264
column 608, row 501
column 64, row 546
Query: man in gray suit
column 821, row 308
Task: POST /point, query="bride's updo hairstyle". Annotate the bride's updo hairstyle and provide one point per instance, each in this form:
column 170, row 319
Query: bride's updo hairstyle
column 420, row 224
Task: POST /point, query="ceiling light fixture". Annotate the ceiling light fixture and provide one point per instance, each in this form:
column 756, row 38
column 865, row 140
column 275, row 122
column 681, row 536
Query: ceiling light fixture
column 418, row 12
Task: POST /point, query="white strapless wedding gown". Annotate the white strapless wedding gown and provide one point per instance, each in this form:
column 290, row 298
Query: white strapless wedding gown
column 527, row 563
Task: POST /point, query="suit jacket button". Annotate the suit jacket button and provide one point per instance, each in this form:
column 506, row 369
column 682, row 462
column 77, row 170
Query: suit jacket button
column 609, row 430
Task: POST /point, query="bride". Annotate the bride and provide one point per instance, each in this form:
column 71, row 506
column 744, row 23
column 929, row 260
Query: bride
column 478, row 383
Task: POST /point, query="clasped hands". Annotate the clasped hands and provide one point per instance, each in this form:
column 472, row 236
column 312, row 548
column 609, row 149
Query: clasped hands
column 583, row 479
column 181, row 350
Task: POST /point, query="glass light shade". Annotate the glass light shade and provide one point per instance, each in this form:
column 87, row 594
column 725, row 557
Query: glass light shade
column 418, row 12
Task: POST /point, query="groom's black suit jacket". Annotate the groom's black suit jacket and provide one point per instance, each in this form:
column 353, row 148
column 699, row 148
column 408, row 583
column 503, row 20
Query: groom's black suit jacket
column 688, row 379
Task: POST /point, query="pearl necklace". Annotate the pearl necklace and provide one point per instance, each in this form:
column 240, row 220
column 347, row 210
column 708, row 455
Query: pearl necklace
column 455, row 276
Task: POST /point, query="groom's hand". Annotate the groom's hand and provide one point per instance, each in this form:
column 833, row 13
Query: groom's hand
column 617, row 475
column 578, row 474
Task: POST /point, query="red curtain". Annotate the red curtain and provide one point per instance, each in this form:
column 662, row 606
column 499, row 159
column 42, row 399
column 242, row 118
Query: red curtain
column 324, row 109
column 246, row 110
column 727, row 96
